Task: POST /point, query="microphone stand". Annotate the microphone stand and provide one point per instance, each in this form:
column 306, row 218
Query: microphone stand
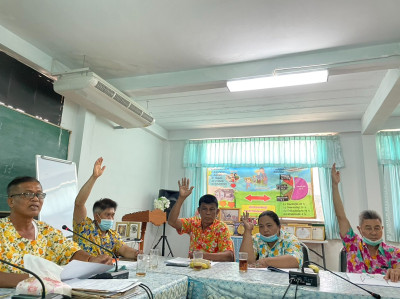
column 107, row 275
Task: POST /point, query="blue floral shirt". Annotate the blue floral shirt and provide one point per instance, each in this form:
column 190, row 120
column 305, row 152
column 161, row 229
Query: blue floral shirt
column 287, row 244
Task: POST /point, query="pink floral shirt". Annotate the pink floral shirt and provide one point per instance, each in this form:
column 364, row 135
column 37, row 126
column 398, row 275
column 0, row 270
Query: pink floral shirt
column 215, row 238
column 359, row 260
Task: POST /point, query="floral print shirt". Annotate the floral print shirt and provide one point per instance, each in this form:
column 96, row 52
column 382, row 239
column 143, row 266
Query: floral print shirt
column 215, row 238
column 287, row 244
column 359, row 259
column 87, row 228
column 50, row 244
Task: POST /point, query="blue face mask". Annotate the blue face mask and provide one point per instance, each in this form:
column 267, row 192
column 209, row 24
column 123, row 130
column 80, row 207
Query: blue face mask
column 372, row 243
column 269, row 239
column 106, row 224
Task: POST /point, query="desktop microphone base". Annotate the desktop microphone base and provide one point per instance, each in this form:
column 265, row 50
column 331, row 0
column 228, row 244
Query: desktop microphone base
column 124, row 274
column 302, row 278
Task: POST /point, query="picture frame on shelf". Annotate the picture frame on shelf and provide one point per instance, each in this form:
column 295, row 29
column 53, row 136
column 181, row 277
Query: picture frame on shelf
column 289, row 228
column 134, row 230
column 229, row 215
column 303, row 232
column 318, row 233
column 122, row 228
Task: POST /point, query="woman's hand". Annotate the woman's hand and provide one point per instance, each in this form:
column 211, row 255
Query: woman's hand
column 247, row 223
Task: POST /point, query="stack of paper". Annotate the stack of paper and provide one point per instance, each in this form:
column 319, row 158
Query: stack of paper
column 103, row 288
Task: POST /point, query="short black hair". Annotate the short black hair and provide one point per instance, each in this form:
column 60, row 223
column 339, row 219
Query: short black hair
column 104, row 204
column 369, row 214
column 20, row 180
column 271, row 214
column 208, row 198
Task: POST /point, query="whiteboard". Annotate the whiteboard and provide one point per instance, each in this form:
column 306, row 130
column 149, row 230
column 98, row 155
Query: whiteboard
column 59, row 182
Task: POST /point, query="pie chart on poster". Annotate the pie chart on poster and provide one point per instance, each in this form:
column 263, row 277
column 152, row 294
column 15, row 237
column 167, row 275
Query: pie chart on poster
column 300, row 189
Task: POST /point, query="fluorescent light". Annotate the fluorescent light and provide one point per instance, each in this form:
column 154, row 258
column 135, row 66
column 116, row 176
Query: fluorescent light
column 278, row 81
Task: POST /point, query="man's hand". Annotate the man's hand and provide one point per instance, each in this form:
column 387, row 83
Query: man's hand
column 101, row 259
column 393, row 275
column 248, row 225
column 184, row 190
column 335, row 175
column 97, row 169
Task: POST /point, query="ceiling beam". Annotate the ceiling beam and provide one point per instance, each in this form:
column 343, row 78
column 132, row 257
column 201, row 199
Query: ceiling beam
column 336, row 60
column 386, row 99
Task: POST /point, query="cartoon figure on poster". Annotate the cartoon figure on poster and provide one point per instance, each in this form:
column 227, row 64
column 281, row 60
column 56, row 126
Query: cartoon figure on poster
column 232, row 178
column 261, row 177
column 248, row 182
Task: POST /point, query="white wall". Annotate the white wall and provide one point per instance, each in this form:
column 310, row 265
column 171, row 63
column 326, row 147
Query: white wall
column 133, row 159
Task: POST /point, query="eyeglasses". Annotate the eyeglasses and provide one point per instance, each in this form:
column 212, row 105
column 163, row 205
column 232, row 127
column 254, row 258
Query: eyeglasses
column 30, row 195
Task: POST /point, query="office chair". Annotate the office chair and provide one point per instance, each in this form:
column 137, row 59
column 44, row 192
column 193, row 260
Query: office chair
column 343, row 260
column 306, row 254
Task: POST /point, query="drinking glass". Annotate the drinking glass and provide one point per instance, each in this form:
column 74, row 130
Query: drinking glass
column 197, row 260
column 141, row 265
column 243, row 261
column 154, row 253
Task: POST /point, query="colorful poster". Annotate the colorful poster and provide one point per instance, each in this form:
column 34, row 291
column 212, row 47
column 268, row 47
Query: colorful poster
column 287, row 191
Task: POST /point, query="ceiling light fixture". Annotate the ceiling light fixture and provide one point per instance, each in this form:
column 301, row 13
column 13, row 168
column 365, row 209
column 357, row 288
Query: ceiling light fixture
column 278, row 81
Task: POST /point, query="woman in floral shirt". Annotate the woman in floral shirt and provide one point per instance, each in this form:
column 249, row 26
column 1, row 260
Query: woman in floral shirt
column 272, row 246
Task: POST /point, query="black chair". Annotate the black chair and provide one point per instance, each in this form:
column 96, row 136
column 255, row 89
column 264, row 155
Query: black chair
column 306, row 254
column 343, row 260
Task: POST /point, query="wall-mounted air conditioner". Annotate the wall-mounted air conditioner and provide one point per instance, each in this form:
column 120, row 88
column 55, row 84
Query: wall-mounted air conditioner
column 95, row 94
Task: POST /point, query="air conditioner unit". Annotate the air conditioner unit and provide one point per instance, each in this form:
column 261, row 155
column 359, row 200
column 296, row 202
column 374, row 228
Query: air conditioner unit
column 95, row 94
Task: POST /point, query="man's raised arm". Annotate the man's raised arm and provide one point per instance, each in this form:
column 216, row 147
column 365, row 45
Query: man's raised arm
column 344, row 224
column 80, row 201
column 184, row 192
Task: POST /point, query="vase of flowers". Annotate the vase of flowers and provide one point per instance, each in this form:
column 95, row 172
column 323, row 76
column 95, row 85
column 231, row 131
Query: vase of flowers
column 161, row 203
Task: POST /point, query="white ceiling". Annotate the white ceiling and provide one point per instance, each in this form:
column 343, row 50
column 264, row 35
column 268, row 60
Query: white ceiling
column 174, row 57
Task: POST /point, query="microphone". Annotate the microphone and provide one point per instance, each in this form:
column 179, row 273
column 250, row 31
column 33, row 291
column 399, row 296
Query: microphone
column 107, row 275
column 43, row 296
column 369, row 292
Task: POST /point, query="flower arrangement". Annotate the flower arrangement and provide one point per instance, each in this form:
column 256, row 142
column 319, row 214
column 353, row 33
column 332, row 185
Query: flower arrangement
column 161, row 203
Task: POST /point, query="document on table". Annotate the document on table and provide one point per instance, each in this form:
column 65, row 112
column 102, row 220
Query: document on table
column 179, row 261
column 78, row 269
column 371, row 279
column 103, row 285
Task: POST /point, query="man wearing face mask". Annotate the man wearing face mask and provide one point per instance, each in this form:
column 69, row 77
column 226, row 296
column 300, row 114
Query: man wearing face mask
column 366, row 253
column 100, row 229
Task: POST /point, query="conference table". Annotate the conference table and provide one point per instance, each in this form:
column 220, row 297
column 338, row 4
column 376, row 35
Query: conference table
column 224, row 280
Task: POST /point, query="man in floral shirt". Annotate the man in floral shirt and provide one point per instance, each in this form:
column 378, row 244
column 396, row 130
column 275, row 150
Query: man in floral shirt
column 21, row 234
column 99, row 230
column 366, row 253
column 206, row 233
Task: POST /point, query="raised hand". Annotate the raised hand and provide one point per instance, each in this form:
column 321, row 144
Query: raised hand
column 247, row 223
column 335, row 175
column 184, row 189
column 97, row 169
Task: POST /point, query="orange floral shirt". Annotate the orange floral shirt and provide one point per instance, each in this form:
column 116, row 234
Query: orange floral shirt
column 215, row 238
column 50, row 244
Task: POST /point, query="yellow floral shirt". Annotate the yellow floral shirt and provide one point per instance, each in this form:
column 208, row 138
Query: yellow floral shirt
column 50, row 244
column 87, row 228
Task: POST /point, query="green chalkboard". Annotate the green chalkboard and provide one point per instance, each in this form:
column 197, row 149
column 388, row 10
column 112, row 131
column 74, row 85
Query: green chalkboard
column 22, row 137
